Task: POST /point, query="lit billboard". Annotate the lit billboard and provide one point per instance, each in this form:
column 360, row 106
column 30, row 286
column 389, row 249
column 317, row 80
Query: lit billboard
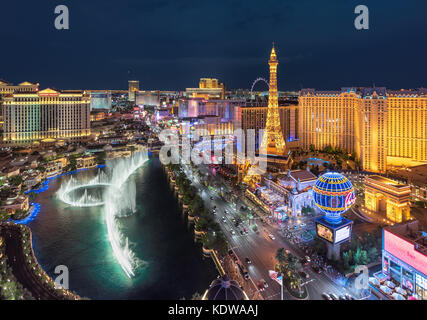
column 342, row 234
column 404, row 251
column 325, row 233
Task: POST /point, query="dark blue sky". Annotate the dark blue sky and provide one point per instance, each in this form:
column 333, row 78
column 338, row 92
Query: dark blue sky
column 171, row 44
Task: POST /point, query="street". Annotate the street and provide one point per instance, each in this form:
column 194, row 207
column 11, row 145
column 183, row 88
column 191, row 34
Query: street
column 260, row 249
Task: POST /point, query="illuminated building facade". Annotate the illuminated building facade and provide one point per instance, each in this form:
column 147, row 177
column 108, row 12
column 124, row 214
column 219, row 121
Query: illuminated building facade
column 208, row 89
column 272, row 141
column 404, row 257
column 256, row 117
column 46, row 114
column 100, row 100
column 7, row 88
column 383, row 127
column 226, row 110
column 383, row 194
column 133, row 88
column 147, row 98
column 406, row 127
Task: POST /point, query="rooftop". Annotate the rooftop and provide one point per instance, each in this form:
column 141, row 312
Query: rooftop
column 387, row 181
column 412, row 232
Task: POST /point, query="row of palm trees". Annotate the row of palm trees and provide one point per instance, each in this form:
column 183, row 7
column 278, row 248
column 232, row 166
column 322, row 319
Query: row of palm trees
column 212, row 237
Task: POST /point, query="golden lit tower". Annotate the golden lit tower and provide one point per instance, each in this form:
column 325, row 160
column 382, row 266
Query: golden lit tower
column 272, row 141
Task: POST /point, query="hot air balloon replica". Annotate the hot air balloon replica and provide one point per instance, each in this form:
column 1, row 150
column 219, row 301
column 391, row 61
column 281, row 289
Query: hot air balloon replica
column 333, row 195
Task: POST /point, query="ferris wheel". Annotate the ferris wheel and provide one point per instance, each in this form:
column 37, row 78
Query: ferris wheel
column 257, row 80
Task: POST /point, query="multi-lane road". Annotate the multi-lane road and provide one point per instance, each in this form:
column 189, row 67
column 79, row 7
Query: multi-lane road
column 260, row 248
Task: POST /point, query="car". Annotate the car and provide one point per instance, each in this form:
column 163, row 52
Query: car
column 233, row 220
column 223, row 219
column 303, row 225
column 260, row 286
column 225, row 211
column 230, row 252
column 214, row 207
column 271, row 237
column 333, row 296
column 307, row 258
column 342, row 297
column 304, row 275
column 349, row 297
column 233, row 232
column 242, row 232
column 211, row 198
column 326, row 296
column 248, row 261
column 246, row 230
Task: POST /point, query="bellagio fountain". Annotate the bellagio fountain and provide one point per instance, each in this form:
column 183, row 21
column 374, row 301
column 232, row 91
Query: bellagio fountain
column 112, row 189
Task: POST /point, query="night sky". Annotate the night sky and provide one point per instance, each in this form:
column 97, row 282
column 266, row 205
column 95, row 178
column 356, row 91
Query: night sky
column 169, row 45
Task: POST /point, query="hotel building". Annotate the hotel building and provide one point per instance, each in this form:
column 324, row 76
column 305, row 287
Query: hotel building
column 133, row 88
column 255, row 117
column 7, row 88
column 45, row 115
column 208, row 89
column 384, row 127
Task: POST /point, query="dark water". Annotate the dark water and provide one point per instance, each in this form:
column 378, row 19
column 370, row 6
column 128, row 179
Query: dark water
column 77, row 238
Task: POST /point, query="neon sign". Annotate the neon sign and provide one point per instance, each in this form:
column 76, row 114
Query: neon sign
column 404, row 251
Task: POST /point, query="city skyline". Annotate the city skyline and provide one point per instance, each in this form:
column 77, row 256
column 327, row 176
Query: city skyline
column 157, row 42
column 222, row 151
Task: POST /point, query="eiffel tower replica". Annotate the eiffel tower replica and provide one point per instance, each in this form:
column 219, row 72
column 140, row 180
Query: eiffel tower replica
column 273, row 145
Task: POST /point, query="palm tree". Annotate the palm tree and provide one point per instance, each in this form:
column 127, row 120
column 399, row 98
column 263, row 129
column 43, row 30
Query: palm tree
column 281, row 255
column 196, row 296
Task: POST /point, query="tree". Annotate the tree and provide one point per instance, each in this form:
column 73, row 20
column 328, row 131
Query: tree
column 281, row 255
column 363, row 257
column 221, row 244
column 196, row 296
column 372, row 254
column 101, row 157
column 315, row 170
column 5, row 192
column 357, row 256
column 346, row 260
column 4, row 216
column 16, row 180
column 196, row 205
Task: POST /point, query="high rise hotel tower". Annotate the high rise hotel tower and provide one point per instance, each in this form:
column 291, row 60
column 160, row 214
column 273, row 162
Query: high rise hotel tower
column 46, row 114
column 383, row 127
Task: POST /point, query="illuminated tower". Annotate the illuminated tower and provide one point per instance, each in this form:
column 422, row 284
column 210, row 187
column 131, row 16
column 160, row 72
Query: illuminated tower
column 272, row 141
